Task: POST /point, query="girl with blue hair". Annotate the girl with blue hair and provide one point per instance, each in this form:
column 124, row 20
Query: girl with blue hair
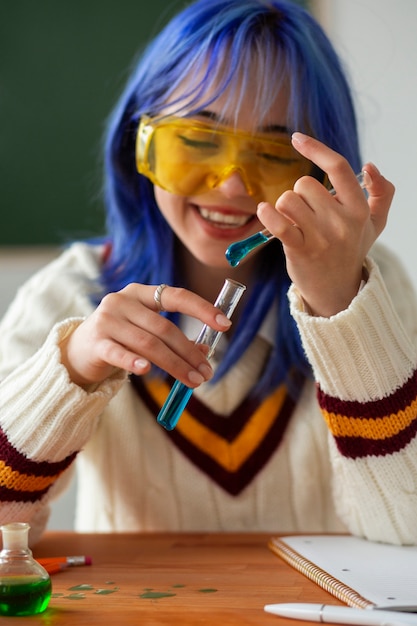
column 238, row 117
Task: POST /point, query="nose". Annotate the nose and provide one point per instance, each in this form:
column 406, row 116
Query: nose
column 233, row 183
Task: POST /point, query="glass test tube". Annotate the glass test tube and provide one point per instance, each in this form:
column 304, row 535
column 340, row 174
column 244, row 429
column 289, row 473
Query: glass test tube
column 239, row 249
column 179, row 395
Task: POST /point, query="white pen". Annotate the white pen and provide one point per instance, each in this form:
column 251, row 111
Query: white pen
column 342, row 614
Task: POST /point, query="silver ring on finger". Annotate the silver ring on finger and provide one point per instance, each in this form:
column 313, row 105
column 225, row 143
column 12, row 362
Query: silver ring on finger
column 157, row 297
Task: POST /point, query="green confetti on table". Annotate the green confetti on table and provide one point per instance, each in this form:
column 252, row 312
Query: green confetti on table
column 207, row 590
column 155, row 595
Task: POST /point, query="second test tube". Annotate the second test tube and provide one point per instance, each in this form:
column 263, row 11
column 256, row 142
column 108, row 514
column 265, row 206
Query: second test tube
column 179, row 395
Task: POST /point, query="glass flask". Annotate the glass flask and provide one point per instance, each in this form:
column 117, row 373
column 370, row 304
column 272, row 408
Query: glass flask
column 25, row 586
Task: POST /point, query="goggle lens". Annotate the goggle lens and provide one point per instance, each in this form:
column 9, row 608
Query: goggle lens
column 187, row 157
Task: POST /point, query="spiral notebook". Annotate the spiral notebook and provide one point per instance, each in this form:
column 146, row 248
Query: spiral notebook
column 361, row 573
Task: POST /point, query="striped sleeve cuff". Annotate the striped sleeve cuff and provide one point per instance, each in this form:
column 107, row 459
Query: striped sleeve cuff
column 23, row 480
column 375, row 428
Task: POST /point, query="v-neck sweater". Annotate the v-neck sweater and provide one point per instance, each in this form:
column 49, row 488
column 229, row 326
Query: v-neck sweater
column 342, row 458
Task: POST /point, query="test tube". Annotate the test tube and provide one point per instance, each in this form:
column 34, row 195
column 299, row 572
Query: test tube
column 179, row 395
column 239, row 249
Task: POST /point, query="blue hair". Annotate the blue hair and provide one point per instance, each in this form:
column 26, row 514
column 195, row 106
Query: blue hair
column 213, row 44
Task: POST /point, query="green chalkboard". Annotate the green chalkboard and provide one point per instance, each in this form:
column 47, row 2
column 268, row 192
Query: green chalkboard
column 63, row 64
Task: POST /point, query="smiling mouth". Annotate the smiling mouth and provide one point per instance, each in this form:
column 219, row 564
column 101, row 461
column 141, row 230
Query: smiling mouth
column 224, row 220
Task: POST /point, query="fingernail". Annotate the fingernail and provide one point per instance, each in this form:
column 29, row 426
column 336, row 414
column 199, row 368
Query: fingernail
column 140, row 364
column 367, row 178
column 206, row 370
column 262, row 205
column 195, row 378
column 223, row 320
column 299, row 138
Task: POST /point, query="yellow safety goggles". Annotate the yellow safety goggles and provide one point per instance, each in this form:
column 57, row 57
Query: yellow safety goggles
column 188, row 157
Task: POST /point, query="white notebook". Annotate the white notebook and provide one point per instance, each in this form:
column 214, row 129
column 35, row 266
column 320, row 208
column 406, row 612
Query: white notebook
column 361, row 573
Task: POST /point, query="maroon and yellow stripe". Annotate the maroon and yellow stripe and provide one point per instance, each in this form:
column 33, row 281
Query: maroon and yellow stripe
column 230, row 450
column 24, row 480
column 377, row 427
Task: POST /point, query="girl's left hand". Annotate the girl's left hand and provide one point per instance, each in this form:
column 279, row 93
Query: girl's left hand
column 327, row 237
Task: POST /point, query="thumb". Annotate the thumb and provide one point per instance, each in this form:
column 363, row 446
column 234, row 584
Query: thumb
column 380, row 194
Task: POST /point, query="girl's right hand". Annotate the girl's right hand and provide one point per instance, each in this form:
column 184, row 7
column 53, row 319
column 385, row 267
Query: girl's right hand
column 126, row 332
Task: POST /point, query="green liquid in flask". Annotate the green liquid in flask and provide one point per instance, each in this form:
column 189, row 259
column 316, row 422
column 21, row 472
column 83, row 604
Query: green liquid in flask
column 20, row 595
column 25, row 586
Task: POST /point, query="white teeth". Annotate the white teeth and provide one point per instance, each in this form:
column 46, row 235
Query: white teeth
column 224, row 219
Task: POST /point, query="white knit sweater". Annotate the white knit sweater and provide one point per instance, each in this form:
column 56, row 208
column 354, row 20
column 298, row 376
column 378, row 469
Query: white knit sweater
column 132, row 477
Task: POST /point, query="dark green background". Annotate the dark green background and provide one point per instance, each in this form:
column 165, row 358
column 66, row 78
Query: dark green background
column 63, row 64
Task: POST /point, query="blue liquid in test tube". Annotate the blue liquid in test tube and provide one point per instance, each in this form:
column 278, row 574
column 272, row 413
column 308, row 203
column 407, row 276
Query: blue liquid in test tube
column 179, row 395
column 174, row 405
column 239, row 249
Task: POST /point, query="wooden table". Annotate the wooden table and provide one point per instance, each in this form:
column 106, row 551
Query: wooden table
column 186, row 579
